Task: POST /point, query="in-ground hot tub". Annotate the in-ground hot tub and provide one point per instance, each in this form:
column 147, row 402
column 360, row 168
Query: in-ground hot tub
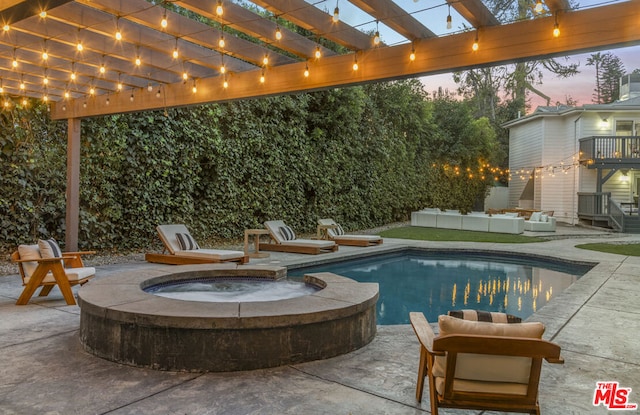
column 121, row 322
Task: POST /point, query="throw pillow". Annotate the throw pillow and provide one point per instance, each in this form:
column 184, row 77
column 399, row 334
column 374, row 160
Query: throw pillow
column 491, row 317
column 186, row 242
column 50, row 249
column 338, row 230
column 287, row 233
column 535, row 217
column 544, row 218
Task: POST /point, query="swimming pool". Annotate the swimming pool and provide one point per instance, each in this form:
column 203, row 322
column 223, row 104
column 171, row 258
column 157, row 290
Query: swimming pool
column 435, row 282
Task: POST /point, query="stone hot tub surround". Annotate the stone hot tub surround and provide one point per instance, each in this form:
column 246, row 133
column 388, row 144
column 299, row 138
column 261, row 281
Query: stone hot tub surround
column 121, row 322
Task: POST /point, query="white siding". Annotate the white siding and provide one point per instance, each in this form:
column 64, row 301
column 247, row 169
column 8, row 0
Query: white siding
column 525, row 153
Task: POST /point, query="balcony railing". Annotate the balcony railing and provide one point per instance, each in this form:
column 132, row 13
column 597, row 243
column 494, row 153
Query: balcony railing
column 610, row 148
column 594, row 205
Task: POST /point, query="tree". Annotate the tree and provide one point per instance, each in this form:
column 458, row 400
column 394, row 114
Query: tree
column 609, row 69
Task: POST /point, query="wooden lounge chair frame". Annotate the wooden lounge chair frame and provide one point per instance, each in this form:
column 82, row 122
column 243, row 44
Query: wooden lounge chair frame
column 169, row 258
column 53, row 265
column 452, row 345
column 275, row 245
column 326, row 225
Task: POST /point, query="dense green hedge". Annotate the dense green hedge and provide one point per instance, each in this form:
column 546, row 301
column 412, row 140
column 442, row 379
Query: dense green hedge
column 365, row 156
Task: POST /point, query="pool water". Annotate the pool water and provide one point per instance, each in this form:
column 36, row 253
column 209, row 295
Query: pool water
column 232, row 291
column 435, row 283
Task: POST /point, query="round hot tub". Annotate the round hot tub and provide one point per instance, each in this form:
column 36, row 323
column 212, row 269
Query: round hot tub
column 121, row 322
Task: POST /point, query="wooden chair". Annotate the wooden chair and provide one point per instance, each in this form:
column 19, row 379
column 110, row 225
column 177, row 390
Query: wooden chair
column 290, row 243
column 329, row 229
column 482, row 372
column 181, row 249
column 49, row 272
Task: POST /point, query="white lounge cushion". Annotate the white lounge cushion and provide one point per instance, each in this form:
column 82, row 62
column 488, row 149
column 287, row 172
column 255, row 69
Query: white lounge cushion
column 370, row 238
column 29, row 252
column 76, row 274
column 488, row 368
column 315, row 243
column 216, row 254
column 535, row 216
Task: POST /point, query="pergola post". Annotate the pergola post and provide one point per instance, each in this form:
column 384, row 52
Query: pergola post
column 73, row 184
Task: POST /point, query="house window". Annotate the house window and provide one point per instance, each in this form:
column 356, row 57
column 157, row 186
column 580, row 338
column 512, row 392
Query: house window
column 629, row 147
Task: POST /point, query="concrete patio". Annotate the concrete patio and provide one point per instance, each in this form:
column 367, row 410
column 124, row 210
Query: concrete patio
column 44, row 370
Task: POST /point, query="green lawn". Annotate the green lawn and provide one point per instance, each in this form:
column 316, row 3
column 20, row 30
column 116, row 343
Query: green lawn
column 620, row 249
column 433, row 234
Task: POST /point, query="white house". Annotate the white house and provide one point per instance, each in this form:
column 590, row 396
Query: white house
column 583, row 163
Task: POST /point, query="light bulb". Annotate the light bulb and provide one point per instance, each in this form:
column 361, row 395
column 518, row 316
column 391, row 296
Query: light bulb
column 306, row 71
column 92, row 91
column 376, row 38
column 538, row 7
column 14, row 63
column 22, row 85
column 79, row 47
column 164, row 23
column 556, row 30
column 119, row 86
column 45, row 55
column 265, row 60
column 336, row 15
column 1, row 90
column 102, row 69
column 278, row 33
column 412, row 55
column 318, row 54
column 24, row 102
column 45, row 98
column 138, row 61
column 262, row 79
column 73, row 76
column 185, row 76
column 6, row 28
column 175, row 54
column 223, row 69
column 355, row 64
column 131, row 97
column 449, row 22
column 118, row 35
column 43, row 14
column 158, row 93
column 219, row 9
column 149, row 87
column 221, row 42
column 45, row 80
column 108, row 101
column 225, row 84
column 66, row 94
column 194, row 89
column 475, row 46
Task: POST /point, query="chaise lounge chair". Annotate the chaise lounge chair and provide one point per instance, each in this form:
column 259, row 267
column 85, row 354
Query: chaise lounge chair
column 482, row 365
column 329, row 229
column 43, row 265
column 183, row 249
column 283, row 239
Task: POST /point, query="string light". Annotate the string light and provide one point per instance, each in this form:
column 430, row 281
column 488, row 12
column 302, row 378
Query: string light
column 306, row 70
column 6, row 27
column 164, row 23
column 265, row 60
column 376, row 36
column 43, row 14
column 14, row 62
column 119, row 86
column 449, row 20
column 225, row 83
column 45, row 55
column 219, row 8
column 336, row 14
column 355, row 62
column 194, row 88
column 262, row 77
column 318, row 53
column 538, row 7
column 176, row 54
column 412, row 55
column 66, row 94
column 223, row 69
column 278, row 33
column 556, row 27
column 103, row 69
column 475, row 45
column 118, row 34
column 79, row 46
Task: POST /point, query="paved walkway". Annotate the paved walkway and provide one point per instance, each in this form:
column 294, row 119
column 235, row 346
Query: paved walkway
column 44, row 370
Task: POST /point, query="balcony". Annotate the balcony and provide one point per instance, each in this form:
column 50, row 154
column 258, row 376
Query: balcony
column 610, row 151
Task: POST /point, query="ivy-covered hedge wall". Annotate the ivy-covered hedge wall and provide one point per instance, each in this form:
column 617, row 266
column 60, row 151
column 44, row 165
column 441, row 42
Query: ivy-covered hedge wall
column 365, row 156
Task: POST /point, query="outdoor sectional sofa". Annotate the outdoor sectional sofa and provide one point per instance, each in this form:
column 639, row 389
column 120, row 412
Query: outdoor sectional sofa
column 474, row 221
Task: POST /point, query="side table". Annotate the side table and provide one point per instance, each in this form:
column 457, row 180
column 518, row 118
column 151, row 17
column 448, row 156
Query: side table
column 256, row 233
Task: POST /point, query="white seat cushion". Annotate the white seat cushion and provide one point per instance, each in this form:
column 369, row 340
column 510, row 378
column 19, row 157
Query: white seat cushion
column 370, row 238
column 215, row 254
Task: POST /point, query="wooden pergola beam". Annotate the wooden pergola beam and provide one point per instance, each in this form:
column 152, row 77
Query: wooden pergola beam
column 582, row 31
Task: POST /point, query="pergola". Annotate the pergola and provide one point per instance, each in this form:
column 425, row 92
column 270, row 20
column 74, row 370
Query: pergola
column 97, row 57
